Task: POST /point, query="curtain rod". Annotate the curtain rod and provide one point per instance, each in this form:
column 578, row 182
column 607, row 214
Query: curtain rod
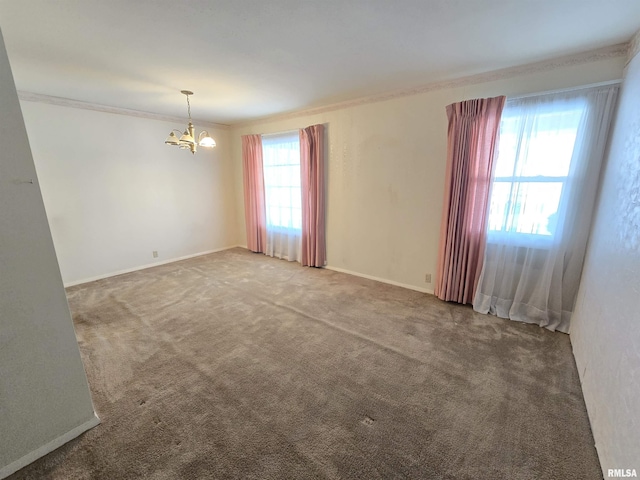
column 570, row 89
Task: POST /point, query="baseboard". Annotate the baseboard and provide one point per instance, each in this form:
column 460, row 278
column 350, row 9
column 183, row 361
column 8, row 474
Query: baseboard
column 378, row 279
column 143, row 267
column 49, row 447
column 164, row 262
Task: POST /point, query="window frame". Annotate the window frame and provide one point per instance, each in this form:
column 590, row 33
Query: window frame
column 542, row 240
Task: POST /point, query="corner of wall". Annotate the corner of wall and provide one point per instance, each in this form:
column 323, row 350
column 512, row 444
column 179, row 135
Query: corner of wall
column 634, row 47
column 45, row 395
column 605, row 326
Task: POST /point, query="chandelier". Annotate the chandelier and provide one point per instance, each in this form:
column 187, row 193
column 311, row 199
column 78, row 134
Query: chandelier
column 187, row 140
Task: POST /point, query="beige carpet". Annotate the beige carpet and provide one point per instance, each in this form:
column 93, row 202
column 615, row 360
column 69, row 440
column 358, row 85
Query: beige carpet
column 236, row 365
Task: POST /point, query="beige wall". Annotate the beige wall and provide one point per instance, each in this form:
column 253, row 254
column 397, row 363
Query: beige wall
column 44, row 396
column 114, row 192
column 386, row 165
column 605, row 328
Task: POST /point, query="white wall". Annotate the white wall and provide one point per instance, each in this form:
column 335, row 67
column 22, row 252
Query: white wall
column 44, row 396
column 605, row 328
column 114, row 192
column 386, row 167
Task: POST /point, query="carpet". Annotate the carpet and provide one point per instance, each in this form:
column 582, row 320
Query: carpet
column 237, row 365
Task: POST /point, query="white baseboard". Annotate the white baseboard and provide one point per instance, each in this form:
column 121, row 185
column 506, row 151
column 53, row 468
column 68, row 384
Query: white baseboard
column 371, row 277
column 143, row 267
column 49, row 447
column 378, row 279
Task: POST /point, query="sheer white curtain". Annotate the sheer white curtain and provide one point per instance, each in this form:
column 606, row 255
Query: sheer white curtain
column 544, row 187
column 283, row 195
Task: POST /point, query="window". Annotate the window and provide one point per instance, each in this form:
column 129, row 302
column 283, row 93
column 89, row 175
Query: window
column 533, row 170
column 283, row 194
column 546, row 177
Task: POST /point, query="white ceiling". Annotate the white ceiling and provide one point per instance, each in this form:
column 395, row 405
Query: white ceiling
column 252, row 58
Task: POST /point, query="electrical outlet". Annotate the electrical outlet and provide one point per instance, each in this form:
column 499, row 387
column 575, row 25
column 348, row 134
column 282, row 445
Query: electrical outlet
column 155, row 254
column 427, row 278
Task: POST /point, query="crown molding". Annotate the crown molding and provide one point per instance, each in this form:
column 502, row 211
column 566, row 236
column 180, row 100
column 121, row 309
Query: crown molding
column 619, row 50
column 68, row 102
column 634, row 46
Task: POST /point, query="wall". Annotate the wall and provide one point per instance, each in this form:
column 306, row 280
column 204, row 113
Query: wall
column 114, row 192
column 605, row 328
column 386, row 166
column 44, row 396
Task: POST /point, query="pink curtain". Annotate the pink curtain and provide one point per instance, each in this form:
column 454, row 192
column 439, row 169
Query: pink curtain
column 254, row 207
column 313, row 214
column 472, row 140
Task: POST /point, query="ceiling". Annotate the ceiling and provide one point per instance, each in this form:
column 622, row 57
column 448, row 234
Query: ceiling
column 246, row 59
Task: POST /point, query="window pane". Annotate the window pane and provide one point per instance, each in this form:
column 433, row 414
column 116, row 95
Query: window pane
column 507, row 148
column 283, row 194
column 524, row 207
column 551, row 144
column 540, row 144
column 535, row 150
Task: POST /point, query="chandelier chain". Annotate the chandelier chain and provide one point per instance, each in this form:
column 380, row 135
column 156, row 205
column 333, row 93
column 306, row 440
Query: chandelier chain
column 189, row 107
